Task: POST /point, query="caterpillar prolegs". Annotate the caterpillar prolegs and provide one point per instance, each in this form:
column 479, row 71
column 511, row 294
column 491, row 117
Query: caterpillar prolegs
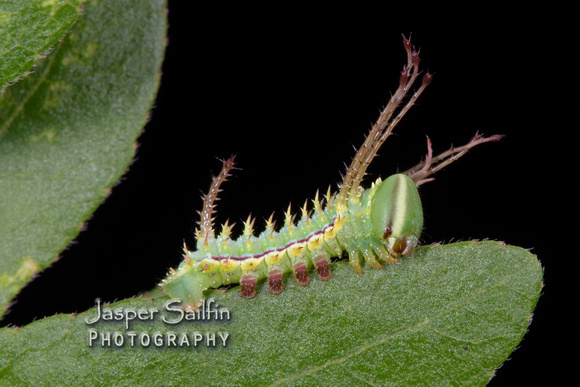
column 382, row 222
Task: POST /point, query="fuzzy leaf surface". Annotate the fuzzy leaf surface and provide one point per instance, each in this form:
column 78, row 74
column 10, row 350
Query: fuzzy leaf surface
column 450, row 315
column 68, row 131
column 28, row 29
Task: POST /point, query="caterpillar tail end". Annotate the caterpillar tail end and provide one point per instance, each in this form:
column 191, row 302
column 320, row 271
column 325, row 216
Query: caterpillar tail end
column 183, row 286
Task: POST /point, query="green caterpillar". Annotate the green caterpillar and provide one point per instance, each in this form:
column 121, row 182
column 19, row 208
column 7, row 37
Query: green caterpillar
column 382, row 222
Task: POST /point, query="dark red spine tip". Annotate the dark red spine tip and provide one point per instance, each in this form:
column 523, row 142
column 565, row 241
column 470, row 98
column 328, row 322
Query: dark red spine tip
column 427, row 78
column 407, row 42
column 404, row 77
column 415, row 56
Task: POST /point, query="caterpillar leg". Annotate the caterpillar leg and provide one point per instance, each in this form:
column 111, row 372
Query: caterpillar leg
column 354, row 260
column 323, row 270
column 368, row 255
column 365, row 252
column 275, row 285
column 321, row 261
column 248, row 283
column 383, row 254
column 301, row 273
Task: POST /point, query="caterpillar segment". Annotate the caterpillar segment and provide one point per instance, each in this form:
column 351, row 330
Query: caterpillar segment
column 371, row 225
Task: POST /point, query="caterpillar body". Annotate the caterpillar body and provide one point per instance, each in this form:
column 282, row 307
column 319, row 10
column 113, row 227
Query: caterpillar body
column 382, row 222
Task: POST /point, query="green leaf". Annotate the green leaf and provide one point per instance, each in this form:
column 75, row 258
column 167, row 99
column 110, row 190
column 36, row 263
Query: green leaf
column 28, row 29
column 68, row 131
column 450, row 315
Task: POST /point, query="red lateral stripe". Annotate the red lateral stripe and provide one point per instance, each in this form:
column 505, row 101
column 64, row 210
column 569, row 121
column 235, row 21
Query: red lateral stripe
column 226, row 257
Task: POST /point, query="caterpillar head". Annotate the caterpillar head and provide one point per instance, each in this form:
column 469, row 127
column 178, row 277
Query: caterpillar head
column 397, row 215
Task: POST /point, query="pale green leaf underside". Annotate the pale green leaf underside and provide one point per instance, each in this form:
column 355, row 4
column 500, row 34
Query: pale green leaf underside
column 67, row 131
column 28, row 29
column 451, row 314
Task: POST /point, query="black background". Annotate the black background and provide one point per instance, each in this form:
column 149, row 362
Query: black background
column 291, row 95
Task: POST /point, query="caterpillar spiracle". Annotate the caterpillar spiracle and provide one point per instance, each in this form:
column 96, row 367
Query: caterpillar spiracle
column 382, row 222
